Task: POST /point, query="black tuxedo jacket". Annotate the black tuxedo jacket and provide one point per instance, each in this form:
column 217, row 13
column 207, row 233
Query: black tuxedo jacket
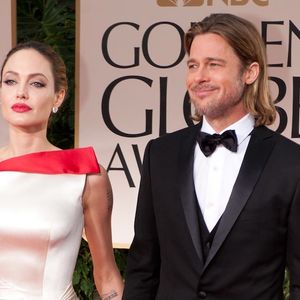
column 257, row 237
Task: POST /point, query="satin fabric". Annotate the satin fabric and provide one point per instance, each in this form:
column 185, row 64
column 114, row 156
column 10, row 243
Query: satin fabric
column 41, row 222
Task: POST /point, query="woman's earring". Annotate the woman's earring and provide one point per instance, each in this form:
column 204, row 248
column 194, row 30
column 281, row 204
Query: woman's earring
column 54, row 109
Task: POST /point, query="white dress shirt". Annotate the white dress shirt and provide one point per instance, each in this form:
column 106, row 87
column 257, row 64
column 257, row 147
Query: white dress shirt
column 215, row 175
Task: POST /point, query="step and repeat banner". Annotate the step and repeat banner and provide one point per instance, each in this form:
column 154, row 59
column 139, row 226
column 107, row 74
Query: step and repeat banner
column 131, row 72
column 7, row 40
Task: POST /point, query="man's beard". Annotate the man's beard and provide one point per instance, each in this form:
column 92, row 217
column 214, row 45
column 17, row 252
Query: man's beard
column 216, row 108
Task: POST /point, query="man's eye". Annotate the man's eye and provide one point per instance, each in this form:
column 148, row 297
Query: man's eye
column 192, row 66
column 213, row 64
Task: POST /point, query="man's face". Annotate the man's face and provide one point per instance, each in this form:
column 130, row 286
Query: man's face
column 215, row 81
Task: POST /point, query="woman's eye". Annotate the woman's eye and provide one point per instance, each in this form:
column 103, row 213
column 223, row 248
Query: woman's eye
column 9, row 82
column 38, row 84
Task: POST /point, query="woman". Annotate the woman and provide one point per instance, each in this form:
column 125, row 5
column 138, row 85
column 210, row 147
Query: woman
column 47, row 194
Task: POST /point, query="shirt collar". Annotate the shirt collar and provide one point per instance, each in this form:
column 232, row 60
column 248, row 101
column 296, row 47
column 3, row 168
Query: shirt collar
column 242, row 127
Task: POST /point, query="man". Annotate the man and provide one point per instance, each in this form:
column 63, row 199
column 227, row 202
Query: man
column 218, row 216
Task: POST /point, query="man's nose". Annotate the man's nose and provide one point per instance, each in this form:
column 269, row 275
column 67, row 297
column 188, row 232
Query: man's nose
column 201, row 75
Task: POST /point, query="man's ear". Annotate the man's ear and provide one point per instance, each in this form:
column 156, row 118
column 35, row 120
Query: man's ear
column 251, row 73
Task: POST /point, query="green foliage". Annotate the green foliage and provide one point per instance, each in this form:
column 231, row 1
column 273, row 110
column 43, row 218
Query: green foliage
column 121, row 259
column 83, row 274
column 53, row 22
column 286, row 286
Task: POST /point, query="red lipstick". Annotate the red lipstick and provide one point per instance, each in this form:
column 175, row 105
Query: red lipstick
column 21, row 107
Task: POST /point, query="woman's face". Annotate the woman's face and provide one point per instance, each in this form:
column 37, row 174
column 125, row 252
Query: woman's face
column 27, row 91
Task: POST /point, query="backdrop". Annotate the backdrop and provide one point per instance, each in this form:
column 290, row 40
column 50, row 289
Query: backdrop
column 7, row 39
column 131, row 79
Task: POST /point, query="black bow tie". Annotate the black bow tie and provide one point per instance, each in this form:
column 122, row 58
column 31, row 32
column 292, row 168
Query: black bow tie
column 209, row 142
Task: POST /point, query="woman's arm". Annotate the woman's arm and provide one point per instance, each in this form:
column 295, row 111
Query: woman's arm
column 98, row 203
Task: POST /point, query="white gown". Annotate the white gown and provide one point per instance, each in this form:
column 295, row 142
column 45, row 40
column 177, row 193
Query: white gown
column 41, row 222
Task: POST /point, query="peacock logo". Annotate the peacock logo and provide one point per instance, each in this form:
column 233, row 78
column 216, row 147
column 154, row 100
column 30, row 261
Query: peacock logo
column 182, row 3
column 179, row 2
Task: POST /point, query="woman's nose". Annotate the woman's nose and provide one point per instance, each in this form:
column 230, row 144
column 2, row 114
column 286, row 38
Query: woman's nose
column 22, row 92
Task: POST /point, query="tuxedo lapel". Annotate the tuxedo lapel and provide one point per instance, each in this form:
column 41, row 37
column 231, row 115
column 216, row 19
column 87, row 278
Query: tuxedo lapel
column 187, row 189
column 257, row 154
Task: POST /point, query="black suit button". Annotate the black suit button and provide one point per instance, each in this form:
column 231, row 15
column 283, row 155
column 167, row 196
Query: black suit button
column 208, row 245
column 202, row 294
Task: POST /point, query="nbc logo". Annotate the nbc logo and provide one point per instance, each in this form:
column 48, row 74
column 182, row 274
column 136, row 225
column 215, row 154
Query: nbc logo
column 179, row 2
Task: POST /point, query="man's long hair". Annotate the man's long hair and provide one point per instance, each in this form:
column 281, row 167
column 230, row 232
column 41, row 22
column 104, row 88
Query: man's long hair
column 248, row 45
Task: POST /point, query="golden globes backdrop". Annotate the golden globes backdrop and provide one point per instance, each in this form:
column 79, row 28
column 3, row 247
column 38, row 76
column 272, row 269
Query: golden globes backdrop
column 131, row 79
column 7, row 33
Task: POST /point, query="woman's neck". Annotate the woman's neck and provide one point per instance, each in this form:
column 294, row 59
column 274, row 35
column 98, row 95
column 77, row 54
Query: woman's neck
column 21, row 142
